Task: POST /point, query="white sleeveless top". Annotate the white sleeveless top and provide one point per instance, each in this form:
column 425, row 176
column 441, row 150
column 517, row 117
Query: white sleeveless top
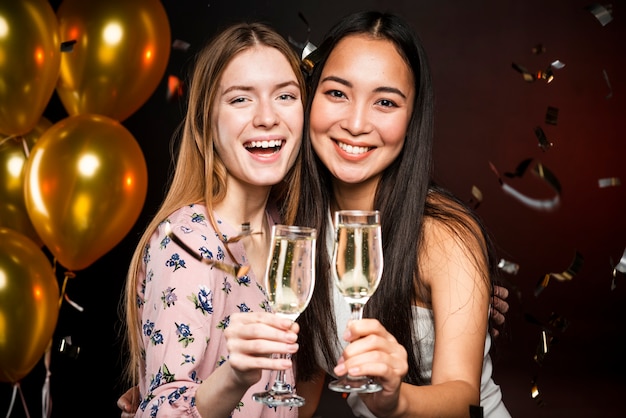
column 490, row 394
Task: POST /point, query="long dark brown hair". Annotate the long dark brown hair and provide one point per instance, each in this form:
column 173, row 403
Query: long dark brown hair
column 405, row 196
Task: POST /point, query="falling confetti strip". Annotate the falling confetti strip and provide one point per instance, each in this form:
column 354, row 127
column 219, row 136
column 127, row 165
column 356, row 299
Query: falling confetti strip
column 602, row 13
column 572, row 270
column 609, row 182
column 565, row 276
column 619, row 270
column 544, row 144
column 621, row 266
column 557, row 65
column 508, row 266
column 302, row 45
column 477, row 197
column 543, row 173
column 537, row 394
column 552, row 114
column 526, row 75
column 66, row 347
column 543, row 347
column 180, row 45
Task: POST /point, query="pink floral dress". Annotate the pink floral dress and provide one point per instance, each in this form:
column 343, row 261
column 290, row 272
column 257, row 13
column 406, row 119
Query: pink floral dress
column 185, row 306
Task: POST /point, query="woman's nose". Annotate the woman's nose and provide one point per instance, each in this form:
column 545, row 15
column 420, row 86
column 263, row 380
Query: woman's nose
column 265, row 115
column 357, row 120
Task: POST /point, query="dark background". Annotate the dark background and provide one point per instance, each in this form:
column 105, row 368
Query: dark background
column 486, row 113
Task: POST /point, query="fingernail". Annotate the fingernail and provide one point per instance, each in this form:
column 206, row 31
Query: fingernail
column 340, row 370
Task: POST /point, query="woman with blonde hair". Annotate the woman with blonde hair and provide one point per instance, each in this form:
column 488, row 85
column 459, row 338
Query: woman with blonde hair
column 199, row 329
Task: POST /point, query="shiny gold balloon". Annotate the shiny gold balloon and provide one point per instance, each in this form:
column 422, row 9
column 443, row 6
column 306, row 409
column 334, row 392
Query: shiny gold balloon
column 85, row 184
column 120, row 55
column 29, row 305
column 30, row 59
column 13, row 155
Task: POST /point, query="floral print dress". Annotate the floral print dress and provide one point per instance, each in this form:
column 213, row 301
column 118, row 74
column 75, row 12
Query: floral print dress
column 184, row 307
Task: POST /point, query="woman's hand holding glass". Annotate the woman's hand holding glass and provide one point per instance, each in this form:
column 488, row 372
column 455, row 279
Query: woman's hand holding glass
column 357, row 267
column 252, row 338
column 373, row 351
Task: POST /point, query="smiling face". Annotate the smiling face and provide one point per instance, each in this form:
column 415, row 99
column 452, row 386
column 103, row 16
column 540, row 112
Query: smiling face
column 361, row 109
column 258, row 117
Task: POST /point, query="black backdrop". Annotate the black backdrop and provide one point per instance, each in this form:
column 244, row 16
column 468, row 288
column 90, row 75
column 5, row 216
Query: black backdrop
column 485, row 113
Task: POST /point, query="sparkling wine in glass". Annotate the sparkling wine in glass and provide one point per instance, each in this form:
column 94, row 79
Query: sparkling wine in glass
column 357, row 266
column 289, row 283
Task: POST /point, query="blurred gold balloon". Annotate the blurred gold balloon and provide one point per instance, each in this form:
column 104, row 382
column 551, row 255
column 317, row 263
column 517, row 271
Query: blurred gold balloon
column 29, row 305
column 13, row 155
column 120, row 55
column 30, row 59
column 85, row 185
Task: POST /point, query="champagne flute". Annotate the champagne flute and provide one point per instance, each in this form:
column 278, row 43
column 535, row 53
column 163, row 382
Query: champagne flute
column 289, row 283
column 357, row 267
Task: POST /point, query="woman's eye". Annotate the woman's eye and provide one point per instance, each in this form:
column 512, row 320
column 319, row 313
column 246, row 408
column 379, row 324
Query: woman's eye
column 335, row 93
column 238, row 100
column 287, row 96
column 386, row 103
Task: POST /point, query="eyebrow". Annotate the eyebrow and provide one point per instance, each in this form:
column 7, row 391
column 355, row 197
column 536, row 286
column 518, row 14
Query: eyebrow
column 250, row 88
column 382, row 89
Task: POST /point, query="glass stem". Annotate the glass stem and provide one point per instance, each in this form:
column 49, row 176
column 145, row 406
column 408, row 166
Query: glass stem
column 356, row 311
column 356, row 314
column 279, row 383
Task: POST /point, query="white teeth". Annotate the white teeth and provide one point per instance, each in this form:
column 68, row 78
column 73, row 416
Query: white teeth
column 352, row 149
column 264, row 144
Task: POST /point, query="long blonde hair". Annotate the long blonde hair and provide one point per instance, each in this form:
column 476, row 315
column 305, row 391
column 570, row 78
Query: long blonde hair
column 200, row 174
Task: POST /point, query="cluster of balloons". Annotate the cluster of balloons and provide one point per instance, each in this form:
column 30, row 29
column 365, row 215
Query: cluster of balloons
column 76, row 185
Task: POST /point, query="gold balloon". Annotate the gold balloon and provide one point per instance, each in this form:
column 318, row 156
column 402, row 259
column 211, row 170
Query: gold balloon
column 29, row 305
column 30, row 59
column 13, row 155
column 120, row 55
column 85, row 183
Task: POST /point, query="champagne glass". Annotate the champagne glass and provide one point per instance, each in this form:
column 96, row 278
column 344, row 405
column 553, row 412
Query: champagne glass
column 357, row 266
column 289, row 283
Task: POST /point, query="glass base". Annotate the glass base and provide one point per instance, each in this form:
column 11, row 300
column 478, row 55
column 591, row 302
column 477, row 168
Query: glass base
column 348, row 384
column 274, row 398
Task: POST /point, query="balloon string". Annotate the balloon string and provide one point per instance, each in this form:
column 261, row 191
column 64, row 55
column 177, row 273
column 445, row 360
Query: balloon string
column 46, row 398
column 15, row 386
column 25, row 145
column 68, row 275
column 74, row 304
column 24, row 402
column 8, row 138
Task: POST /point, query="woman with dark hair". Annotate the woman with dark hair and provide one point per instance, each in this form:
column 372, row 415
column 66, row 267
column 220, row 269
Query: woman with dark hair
column 368, row 145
